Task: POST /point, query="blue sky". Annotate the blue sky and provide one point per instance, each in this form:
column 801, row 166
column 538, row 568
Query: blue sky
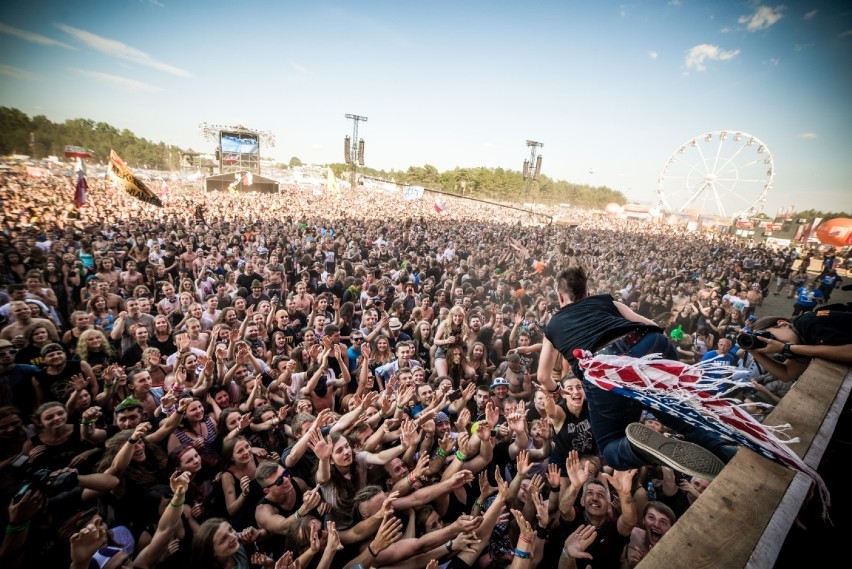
column 612, row 89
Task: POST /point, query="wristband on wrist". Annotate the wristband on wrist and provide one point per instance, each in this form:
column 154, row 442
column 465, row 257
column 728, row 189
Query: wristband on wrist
column 173, row 505
column 131, row 441
column 524, row 539
column 17, row 528
column 410, row 479
column 476, row 504
column 522, row 554
column 460, row 456
column 298, row 515
column 540, row 532
column 370, row 549
column 554, row 488
column 85, row 423
column 442, row 453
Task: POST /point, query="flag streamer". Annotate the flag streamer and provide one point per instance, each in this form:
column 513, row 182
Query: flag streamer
column 698, row 395
column 131, row 184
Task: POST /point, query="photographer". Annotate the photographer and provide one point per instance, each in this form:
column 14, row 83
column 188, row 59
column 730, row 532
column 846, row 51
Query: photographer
column 825, row 334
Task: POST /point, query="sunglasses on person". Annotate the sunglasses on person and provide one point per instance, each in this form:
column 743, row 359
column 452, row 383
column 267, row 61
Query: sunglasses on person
column 9, row 352
column 280, row 480
column 357, row 339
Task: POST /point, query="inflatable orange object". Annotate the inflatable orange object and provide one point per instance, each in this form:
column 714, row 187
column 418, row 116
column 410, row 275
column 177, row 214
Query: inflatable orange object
column 837, row 232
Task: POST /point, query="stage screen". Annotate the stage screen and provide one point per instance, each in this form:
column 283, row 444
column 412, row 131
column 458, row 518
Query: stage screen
column 239, row 143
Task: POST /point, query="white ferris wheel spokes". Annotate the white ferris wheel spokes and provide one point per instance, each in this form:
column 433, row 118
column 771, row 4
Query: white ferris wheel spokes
column 724, row 173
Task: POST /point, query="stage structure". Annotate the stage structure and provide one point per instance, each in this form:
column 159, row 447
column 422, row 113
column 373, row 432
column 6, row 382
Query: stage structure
column 239, row 148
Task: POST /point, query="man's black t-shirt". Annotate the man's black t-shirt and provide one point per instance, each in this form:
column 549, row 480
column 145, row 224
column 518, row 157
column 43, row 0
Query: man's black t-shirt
column 587, row 324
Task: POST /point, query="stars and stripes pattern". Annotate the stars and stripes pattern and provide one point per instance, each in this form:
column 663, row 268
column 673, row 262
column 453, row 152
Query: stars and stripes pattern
column 697, row 395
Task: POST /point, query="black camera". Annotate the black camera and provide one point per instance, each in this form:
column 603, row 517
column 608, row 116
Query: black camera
column 47, row 483
column 753, row 340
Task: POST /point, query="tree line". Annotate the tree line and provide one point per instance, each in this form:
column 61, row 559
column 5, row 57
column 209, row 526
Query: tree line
column 39, row 137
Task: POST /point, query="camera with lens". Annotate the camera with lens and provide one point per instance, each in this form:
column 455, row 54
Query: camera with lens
column 45, row 481
column 753, row 340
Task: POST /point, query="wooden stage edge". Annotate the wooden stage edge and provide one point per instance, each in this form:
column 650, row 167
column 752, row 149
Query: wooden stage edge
column 744, row 516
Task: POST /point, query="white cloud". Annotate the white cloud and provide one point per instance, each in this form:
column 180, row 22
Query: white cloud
column 811, row 14
column 773, row 61
column 674, row 2
column 653, row 54
column 31, row 37
column 762, row 18
column 698, row 55
column 154, row 3
column 116, row 81
column 10, row 71
column 622, row 11
column 121, row 51
column 808, row 135
column 845, row 34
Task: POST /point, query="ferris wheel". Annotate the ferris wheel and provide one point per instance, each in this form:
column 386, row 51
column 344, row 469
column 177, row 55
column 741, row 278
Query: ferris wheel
column 724, row 173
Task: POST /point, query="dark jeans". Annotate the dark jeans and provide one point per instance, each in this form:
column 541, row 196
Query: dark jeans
column 610, row 414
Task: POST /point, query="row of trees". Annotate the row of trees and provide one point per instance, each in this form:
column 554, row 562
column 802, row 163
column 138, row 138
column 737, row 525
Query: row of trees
column 495, row 184
column 39, row 137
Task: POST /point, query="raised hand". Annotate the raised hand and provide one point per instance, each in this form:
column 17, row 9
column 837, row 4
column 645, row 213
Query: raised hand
column 525, row 527
column 463, row 420
column 245, row 485
column 580, row 540
column 410, row 436
column 554, row 477
column 461, row 478
column 312, row 499
column 320, row 445
column 523, row 463
column 333, row 542
column 447, row 443
column 389, row 533
column 485, row 488
column 421, row 467
column 576, row 472
column 620, row 480
column 541, row 511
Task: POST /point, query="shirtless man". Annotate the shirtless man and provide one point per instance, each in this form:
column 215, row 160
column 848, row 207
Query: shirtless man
column 129, row 278
column 520, row 384
column 23, row 318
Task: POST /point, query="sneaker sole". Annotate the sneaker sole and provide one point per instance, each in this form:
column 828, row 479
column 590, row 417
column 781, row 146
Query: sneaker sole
column 684, row 456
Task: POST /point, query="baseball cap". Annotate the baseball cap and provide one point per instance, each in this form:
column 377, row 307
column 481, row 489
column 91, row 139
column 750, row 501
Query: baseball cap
column 442, row 417
column 499, row 381
column 394, row 324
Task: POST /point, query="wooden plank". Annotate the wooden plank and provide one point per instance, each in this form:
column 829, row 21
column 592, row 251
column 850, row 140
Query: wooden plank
column 742, row 518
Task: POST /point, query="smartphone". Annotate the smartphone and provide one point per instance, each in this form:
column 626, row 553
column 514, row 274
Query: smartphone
column 20, row 461
column 455, row 395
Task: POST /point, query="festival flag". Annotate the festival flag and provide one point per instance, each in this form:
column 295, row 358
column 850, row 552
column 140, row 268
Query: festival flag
column 439, row 205
column 331, row 182
column 131, row 184
column 80, row 189
column 698, row 395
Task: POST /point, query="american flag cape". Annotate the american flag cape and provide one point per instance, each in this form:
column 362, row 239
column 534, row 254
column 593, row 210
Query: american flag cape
column 696, row 394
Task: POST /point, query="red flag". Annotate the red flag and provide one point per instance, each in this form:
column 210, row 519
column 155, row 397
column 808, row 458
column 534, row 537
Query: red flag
column 80, row 190
column 439, row 205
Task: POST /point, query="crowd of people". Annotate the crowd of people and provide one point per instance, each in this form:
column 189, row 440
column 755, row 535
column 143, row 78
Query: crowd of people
column 338, row 381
